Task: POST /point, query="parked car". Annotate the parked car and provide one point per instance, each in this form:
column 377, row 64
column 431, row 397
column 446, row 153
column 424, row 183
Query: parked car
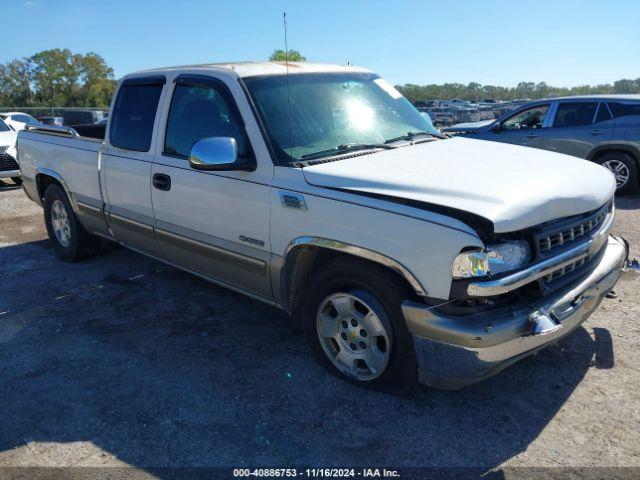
column 420, row 104
column 18, row 120
column 464, row 113
column 400, row 258
column 59, row 121
column 602, row 128
column 486, row 112
column 8, row 165
column 81, row 117
column 440, row 115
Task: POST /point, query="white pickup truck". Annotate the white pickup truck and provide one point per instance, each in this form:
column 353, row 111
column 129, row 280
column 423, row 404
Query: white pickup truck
column 405, row 256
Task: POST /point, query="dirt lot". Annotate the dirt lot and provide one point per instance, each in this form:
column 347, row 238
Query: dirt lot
column 122, row 361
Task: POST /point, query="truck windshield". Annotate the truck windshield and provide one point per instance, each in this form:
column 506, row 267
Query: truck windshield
column 329, row 111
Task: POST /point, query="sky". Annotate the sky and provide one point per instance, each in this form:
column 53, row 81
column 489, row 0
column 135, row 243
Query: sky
column 496, row 42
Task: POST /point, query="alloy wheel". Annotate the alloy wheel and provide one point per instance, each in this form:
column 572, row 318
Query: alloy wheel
column 60, row 223
column 619, row 170
column 353, row 336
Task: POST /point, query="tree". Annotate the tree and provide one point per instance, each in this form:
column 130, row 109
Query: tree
column 475, row 91
column 15, row 82
column 97, row 77
column 57, row 77
column 281, row 56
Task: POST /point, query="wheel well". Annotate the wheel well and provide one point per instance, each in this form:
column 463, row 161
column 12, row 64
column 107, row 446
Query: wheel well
column 614, row 149
column 598, row 155
column 303, row 261
column 43, row 181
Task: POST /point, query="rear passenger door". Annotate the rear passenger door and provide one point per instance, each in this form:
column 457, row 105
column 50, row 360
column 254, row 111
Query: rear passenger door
column 127, row 159
column 578, row 127
column 213, row 223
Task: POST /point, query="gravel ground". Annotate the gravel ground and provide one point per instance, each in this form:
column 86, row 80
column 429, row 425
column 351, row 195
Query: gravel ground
column 123, row 361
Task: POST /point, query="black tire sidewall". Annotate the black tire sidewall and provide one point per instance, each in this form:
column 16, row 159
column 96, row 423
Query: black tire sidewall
column 632, row 184
column 379, row 290
column 70, row 252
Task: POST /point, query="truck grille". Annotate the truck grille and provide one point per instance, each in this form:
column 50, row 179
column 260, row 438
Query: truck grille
column 572, row 233
column 566, row 269
column 7, row 162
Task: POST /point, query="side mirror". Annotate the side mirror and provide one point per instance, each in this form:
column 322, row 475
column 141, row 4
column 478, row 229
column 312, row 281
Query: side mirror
column 495, row 128
column 217, row 153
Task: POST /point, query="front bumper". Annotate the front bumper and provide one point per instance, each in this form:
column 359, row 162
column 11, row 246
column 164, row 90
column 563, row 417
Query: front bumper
column 454, row 351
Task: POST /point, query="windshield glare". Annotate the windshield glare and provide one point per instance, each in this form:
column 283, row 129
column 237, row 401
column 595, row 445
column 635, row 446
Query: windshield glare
column 331, row 110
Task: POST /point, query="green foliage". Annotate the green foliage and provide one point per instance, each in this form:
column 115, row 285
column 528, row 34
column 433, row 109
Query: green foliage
column 531, row 90
column 57, row 78
column 281, row 56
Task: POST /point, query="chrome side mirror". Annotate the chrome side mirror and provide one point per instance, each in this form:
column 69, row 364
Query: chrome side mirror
column 217, row 153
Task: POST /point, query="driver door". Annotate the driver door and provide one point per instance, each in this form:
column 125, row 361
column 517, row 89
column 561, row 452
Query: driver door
column 212, row 223
column 525, row 127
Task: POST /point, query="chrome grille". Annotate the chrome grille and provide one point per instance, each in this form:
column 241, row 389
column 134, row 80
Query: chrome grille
column 566, row 269
column 571, row 234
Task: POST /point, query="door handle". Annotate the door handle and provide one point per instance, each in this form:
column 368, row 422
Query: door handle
column 162, row 181
column 533, row 135
column 597, row 132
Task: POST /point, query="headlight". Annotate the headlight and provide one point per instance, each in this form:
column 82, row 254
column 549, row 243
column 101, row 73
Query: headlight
column 494, row 259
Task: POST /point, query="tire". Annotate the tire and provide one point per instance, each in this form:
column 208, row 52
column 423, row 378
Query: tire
column 625, row 170
column 379, row 353
column 69, row 238
column 17, row 180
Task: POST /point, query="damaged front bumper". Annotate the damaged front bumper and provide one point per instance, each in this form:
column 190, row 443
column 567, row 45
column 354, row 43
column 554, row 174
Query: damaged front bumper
column 454, row 351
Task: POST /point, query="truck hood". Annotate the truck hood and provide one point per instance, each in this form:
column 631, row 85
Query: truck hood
column 469, row 126
column 514, row 187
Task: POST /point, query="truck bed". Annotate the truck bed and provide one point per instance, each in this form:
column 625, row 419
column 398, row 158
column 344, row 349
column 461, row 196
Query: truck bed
column 61, row 152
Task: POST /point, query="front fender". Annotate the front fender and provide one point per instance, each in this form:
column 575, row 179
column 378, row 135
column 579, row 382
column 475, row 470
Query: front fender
column 419, row 250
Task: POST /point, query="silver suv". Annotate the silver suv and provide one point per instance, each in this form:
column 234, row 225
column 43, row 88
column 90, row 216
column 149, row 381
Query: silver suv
column 602, row 128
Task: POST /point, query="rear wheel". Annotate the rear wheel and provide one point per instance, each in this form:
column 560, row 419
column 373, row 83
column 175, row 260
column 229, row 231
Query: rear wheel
column 17, row 180
column 70, row 240
column 352, row 317
column 624, row 169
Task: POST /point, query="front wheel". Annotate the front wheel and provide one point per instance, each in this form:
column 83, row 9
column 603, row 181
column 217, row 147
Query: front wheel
column 352, row 317
column 624, row 170
column 70, row 240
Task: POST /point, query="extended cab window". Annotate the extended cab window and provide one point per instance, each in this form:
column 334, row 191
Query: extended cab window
column 134, row 114
column 199, row 111
column 575, row 114
column 527, row 119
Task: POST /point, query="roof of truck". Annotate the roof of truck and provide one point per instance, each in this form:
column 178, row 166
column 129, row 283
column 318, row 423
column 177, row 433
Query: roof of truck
column 253, row 69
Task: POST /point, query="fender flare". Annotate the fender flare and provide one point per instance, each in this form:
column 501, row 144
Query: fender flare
column 349, row 249
column 53, row 174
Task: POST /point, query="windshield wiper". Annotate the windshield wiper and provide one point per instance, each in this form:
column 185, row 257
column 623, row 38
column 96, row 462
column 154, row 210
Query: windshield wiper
column 347, row 147
column 414, row 134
